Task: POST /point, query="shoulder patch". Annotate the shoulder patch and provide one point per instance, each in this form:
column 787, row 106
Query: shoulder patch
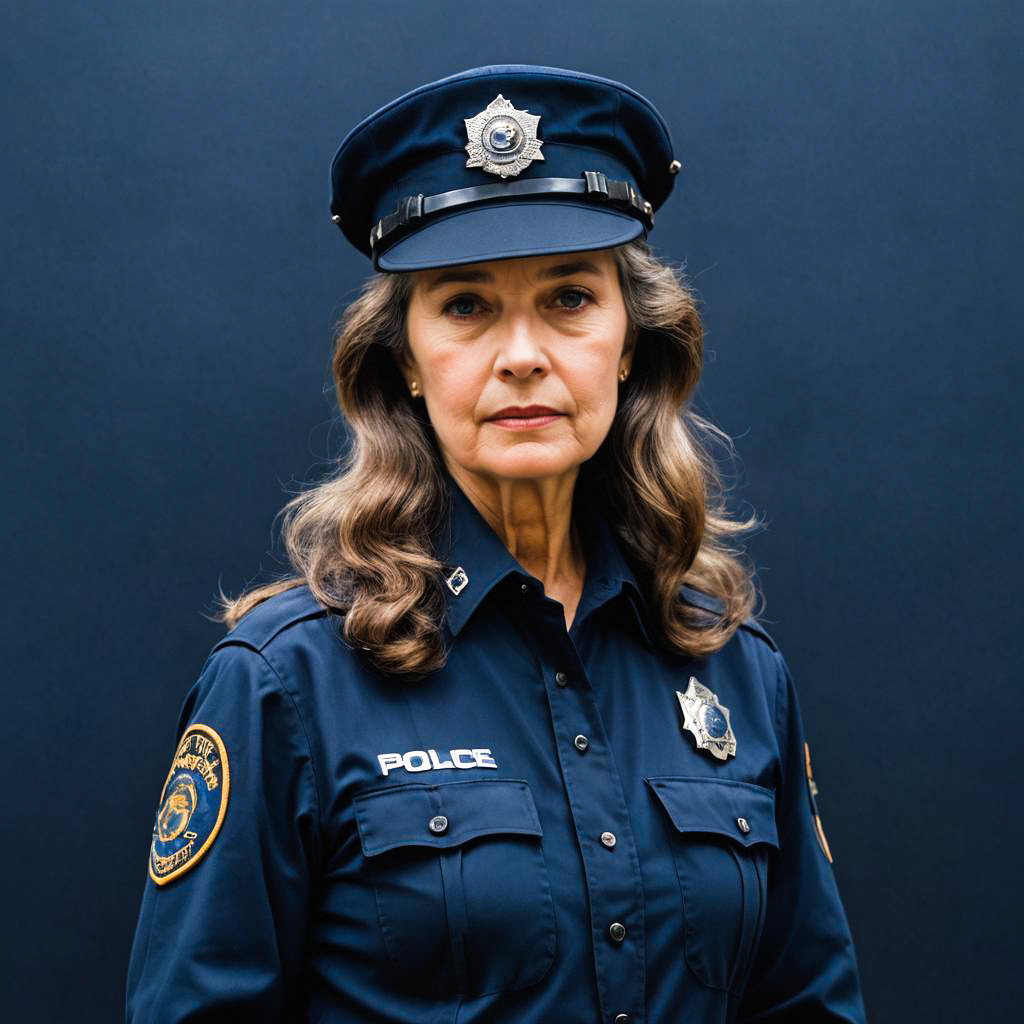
column 812, row 792
column 193, row 803
column 259, row 626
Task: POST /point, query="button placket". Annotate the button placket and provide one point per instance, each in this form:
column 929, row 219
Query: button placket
column 596, row 800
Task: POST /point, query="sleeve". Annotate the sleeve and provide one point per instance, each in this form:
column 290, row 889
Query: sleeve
column 235, row 842
column 805, row 969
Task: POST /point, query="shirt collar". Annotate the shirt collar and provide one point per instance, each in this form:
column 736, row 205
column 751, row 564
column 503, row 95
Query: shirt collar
column 476, row 560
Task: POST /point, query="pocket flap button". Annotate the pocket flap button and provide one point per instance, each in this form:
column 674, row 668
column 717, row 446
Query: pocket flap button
column 438, row 824
column 743, row 824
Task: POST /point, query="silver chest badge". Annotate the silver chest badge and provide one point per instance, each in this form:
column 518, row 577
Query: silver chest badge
column 502, row 140
column 707, row 720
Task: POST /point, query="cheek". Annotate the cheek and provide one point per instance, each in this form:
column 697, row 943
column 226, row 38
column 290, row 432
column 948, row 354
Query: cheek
column 455, row 388
column 593, row 385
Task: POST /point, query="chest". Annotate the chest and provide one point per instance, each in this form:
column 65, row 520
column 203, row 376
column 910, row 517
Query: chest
column 509, row 810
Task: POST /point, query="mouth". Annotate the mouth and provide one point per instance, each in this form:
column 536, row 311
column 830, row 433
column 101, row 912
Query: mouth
column 531, row 417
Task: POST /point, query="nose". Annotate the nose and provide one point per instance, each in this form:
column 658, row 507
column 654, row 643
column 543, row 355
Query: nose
column 520, row 349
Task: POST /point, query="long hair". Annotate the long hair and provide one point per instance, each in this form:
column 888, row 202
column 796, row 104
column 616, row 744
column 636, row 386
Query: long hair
column 361, row 538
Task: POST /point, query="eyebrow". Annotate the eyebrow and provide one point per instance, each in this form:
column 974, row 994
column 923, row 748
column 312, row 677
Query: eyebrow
column 466, row 276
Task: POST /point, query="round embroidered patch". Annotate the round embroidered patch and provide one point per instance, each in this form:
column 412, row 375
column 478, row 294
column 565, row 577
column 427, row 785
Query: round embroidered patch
column 192, row 804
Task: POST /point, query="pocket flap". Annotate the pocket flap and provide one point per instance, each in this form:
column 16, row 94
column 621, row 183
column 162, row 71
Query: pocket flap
column 717, row 805
column 401, row 815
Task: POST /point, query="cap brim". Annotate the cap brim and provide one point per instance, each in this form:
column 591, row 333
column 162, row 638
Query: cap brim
column 513, row 229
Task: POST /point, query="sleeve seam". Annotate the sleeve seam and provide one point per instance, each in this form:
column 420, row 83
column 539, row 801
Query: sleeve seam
column 309, row 748
column 781, row 732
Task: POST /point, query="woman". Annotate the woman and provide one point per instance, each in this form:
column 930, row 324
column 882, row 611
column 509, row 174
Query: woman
column 510, row 745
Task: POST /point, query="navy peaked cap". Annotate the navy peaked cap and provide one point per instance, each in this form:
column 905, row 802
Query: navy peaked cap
column 501, row 161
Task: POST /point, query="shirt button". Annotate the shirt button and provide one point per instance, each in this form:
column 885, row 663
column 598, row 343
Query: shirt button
column 525, row 588
column 581, row 743
column 622, row 1018
column 561, row 678
column 608, row 838
column 617, row 931
column 743, row 824
column 438, row 824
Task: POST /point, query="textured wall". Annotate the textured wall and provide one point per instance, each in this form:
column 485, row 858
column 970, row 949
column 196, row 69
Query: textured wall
column 849, row 209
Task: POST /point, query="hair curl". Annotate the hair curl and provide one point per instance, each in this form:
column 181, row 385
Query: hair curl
column 361, row 538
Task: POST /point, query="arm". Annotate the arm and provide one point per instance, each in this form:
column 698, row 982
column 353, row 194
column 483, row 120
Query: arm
column 222, row 930
column 805, row 968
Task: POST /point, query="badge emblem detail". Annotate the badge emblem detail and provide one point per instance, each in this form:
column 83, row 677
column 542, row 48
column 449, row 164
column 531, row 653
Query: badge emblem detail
column 502, row 140
column 707, row 720
column 192, row 804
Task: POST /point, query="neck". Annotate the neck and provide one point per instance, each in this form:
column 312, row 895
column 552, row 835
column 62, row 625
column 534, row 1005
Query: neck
column 533, row 517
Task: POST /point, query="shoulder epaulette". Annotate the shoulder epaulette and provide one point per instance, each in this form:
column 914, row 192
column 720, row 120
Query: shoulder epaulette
column 260, row 625
column 716, row 606
column 697, row 597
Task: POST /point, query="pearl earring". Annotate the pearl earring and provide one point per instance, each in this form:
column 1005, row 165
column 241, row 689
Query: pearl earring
column 415, row 389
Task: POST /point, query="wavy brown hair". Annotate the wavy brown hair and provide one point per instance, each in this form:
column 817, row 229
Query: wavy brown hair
column 361, row 538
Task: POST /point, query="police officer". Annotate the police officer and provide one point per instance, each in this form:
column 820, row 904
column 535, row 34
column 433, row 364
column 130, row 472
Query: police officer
column 511, row 745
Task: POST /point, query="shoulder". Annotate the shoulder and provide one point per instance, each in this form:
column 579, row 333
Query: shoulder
column 751, row 653
column 273, row 617
column 708, row 603
column 278, row 649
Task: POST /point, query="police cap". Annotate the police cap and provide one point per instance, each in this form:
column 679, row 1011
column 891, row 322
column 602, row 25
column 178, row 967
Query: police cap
column 501, row 161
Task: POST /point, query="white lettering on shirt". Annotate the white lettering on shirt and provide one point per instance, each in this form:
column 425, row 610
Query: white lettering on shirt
column 428, row 760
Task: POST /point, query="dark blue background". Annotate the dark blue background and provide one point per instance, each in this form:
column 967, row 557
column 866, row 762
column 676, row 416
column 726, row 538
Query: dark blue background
column 850, row 212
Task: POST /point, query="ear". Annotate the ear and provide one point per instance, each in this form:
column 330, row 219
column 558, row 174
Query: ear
column 629, row 346
column 406, row 365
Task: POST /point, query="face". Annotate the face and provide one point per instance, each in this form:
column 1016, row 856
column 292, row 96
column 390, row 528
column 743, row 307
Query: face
column 546, row 331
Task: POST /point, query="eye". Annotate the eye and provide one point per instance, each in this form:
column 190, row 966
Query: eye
column 460, row 300
column 584, row 296
column 581, row 296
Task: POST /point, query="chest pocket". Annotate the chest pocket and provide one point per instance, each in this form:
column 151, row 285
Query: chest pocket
column 461, row 884
column 722, row 834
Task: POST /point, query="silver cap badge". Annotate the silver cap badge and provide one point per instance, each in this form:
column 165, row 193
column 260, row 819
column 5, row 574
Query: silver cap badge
column 707, row 720
column 502, row 140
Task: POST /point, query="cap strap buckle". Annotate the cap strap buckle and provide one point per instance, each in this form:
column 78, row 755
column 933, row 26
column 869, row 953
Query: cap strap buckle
column 597, row 184
column 410, row 209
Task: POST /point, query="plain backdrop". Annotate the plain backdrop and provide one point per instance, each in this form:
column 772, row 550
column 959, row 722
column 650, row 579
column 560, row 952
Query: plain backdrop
column 849, row 211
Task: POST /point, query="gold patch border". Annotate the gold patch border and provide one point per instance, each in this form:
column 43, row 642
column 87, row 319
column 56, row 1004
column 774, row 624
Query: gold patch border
column 819, row 831
column 223, row 751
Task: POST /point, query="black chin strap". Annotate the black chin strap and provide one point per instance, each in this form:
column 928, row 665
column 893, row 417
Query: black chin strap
column 592, row 185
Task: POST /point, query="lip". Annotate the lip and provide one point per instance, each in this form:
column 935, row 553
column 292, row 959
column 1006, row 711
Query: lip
column 521, row 412
column 525, row 417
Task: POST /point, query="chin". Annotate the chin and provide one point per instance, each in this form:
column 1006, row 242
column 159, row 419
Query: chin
column 530, row 460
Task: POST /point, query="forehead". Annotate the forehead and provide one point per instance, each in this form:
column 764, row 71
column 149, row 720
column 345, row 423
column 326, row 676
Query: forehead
column 538, row 269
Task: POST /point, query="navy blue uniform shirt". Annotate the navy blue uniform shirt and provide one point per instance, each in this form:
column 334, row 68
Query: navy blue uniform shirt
column 528, row 835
